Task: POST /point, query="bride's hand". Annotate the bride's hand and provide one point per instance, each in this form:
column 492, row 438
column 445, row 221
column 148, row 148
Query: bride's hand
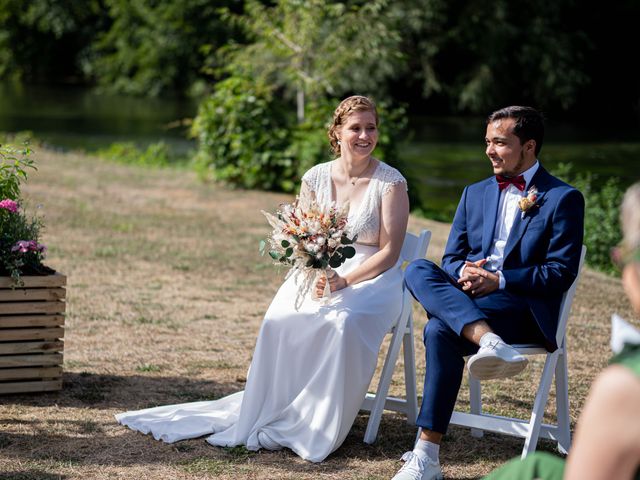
column 336, row 282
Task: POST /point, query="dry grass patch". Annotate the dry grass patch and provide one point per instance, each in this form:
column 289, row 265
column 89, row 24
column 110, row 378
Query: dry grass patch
column 166, row 292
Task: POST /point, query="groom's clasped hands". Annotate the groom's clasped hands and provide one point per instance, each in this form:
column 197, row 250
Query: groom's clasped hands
column 477, row 281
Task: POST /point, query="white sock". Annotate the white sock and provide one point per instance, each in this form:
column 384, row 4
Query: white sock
column 425, row 448
column 489, row 337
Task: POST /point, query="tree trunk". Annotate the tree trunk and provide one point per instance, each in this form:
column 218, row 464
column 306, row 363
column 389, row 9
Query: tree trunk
column 300, row 104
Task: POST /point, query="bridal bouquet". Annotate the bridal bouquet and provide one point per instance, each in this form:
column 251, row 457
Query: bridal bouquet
column 310, row 239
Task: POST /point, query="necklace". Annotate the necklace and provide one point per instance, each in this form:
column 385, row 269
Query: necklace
column 353, row 180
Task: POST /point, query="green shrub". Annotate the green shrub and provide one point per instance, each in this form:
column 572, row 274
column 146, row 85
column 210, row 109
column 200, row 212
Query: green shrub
column 602, row 215
column 309, row 144
column 243, row 135
column 156, row 155
column 14, row 163
column 20, row 251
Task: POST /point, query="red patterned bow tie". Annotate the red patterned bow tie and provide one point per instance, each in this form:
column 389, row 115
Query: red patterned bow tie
column 504, row 182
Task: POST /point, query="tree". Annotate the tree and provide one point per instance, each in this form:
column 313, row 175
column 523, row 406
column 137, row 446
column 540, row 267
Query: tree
column 476, row 55
column 312, row 51
column 47, row 40
column 316, row 48
column 153, row 47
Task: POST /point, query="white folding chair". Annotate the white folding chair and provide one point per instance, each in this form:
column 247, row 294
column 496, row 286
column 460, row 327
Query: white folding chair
column 555, row 364
column 413, row 248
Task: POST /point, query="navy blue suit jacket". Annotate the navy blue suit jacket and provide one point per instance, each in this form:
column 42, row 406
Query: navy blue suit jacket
column 542, row 253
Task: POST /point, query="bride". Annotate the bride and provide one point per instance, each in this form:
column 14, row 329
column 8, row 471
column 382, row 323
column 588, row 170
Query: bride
column 312, row 366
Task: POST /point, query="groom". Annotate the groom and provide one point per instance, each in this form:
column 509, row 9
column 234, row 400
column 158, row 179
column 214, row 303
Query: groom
column 513, row 249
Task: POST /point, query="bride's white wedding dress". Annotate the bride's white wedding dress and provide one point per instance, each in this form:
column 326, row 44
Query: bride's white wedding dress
column 311, row 367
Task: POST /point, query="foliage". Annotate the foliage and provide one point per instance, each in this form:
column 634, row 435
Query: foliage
column 141, row 47
column 14, row 163
column 602, row 215
column 20, row 251
column 314, row 52
column 315, row 49
column 243, row 134
column 524, row 52
column 155, row 155
column 247, row 138
column 153, row 48
column 448, row 56
column 47, row 40
column 309, row 143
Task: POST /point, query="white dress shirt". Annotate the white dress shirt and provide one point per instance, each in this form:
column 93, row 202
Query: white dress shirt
column 507, row 211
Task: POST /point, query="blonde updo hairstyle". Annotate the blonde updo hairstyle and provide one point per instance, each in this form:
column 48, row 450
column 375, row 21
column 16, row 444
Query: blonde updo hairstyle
column 355, row 103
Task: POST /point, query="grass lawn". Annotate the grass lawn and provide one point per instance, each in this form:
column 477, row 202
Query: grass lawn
column 166, row 292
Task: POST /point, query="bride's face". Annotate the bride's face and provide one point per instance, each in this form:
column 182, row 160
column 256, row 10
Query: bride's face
column 359, row 135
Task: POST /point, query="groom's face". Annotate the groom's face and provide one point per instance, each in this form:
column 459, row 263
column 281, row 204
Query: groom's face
column 504, row 150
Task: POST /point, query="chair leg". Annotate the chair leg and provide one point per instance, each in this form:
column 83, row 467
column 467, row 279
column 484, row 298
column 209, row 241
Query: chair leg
column 475, row 400
column 531, row 440
column 410, row 373
column 562, row 404
column 385, row 380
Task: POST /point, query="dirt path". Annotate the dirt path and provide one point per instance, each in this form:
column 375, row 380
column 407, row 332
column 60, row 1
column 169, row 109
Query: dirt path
column 166, row 292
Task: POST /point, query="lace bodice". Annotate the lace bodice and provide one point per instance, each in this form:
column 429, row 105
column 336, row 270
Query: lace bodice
column 365, row 219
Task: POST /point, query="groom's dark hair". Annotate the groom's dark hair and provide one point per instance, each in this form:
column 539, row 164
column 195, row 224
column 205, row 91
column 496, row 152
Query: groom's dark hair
column 529, row 123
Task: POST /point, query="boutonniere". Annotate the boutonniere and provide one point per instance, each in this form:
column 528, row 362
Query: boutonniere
column 528, row 202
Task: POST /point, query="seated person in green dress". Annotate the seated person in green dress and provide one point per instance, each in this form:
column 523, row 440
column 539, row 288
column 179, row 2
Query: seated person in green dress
column 606, row 444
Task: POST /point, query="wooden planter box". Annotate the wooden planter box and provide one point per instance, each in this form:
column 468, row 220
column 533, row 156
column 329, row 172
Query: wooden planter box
column 31, row 333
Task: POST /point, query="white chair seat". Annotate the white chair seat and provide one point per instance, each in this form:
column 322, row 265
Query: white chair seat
column 413, row 248
column 555, row 366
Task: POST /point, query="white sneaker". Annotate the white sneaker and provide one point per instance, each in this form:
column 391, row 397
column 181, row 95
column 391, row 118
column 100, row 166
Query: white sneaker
column 416, row 468
column 496, row 360
column 267, row 443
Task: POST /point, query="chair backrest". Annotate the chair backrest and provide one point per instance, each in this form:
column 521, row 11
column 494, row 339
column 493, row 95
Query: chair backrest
column 415, row 247
column 567, row 300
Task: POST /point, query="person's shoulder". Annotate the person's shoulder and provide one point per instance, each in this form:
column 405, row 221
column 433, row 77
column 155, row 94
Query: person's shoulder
column 556, row 185
column 315, row 171
column 481, row 185
column 320, row 166
column 389, row 175
column 387, row 169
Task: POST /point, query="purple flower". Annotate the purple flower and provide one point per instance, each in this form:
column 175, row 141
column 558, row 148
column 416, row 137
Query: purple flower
column 10, row 205
column 24, row 246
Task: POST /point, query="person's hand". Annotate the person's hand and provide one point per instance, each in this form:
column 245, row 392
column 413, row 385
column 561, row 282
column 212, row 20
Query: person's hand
column 477, row 263
column 477, row 281
column 336, row 282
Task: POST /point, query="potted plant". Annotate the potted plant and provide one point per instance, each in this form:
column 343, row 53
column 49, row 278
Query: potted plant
column 31, row 294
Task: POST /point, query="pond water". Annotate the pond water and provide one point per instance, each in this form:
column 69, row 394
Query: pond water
column 445, row 154
column 440, row 156
column 78, row 118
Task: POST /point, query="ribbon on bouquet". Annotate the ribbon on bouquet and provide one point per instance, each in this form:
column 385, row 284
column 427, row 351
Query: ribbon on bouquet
column 307, row 279
column 326, row 294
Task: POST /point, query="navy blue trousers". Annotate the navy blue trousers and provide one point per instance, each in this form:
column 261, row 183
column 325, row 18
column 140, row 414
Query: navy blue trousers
column 450, row 309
